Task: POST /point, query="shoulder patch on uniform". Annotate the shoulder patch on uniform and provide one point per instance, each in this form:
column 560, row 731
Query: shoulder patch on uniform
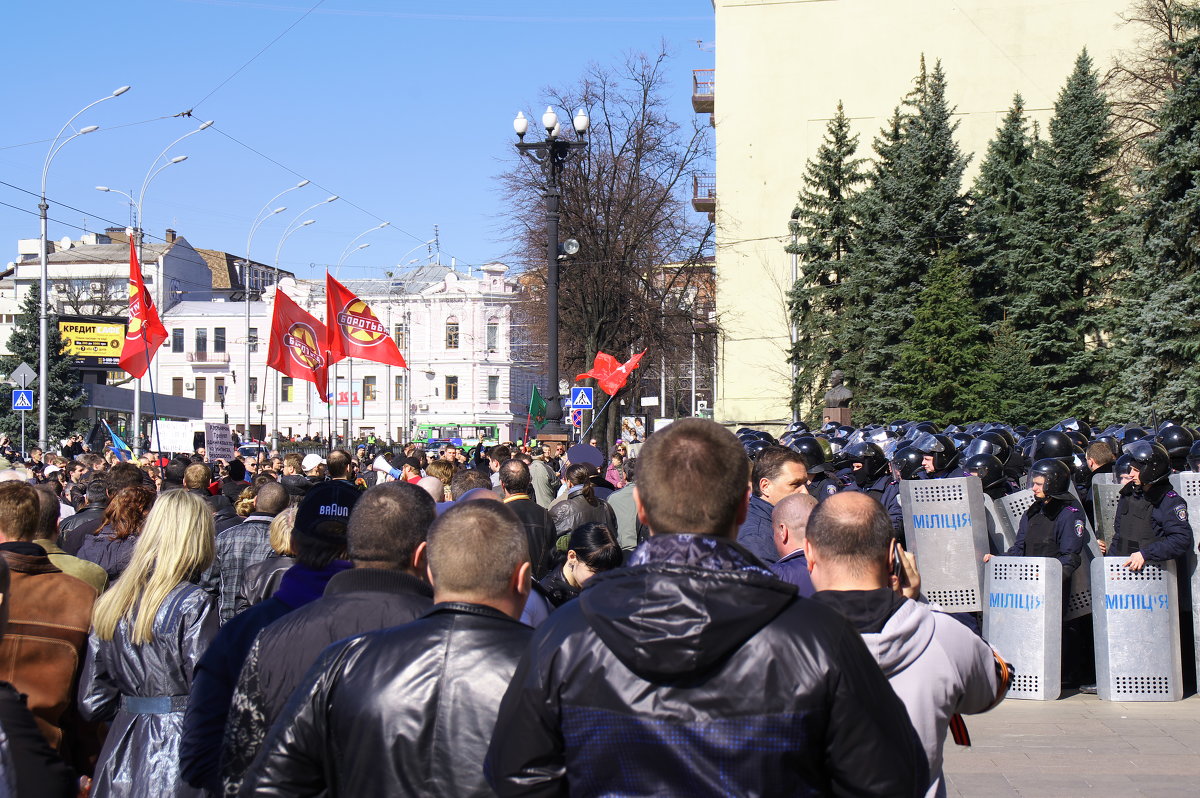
column 1079, row 528
column 1181, row 512
column 1073, row 508
column 831, row 489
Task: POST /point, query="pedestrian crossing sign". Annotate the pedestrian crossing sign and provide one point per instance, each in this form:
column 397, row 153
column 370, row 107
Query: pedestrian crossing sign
column 581, row 399
column 22, row 400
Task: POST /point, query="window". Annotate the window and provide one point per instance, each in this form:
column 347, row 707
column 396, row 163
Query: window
column 177, row 339
column 253, row 389
column 493, row 336
column 253, row 339
column 369, row 389
column 177, row 386
column 219, row 390
column 400, row 336
column 218, row 339
column 452, row 333
column 285, row 389
column 493, row 388
column 201, row 339
column 201, row 389
column 451, row 388
column 398, row 388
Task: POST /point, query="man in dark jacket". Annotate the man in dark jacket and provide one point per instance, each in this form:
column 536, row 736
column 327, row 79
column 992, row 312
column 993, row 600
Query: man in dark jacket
column 517, row 484
column 409, row 711
column 74, row 530
column 778, row 472
column 319, row 540
column 751, row 690
column 234, row 481
column 196, row 479
column 244, row 545
column 386, row 587
column 790, row 521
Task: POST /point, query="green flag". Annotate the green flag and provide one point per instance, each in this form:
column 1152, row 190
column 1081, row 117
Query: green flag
column 537, row 409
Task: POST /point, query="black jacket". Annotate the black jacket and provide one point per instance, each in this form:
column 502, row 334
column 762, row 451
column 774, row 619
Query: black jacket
column 28, row 765
column 570, row 514
column 539, row 530
column 699, row 673
column 76, row 529
column 355, row 601
column 413, row 713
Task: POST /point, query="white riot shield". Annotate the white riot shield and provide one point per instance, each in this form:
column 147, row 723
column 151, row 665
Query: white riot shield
column 1022, row 619
column 1187, row 485
column 1104, row 507
column 1136, row 620
column 945, row 520
column 1079, row 596
column 1001, row 532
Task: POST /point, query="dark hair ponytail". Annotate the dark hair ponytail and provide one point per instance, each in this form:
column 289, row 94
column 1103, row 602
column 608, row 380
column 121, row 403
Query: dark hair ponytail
column 581, row 474
column 594, row 544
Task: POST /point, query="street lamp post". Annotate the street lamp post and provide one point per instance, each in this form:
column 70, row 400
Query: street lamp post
column 347, row 252
column 43, row 288
column 551, row 155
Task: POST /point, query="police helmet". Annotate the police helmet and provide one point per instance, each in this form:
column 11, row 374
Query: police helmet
column 1122, row 466
column 1151, row 460
column 907, row 462
column 811, row 450
column 1132, row 433
column 937, row 446
column 987, row 467
column 1078, row 438
column 991, row 442
column 1176, row 440
column 755, row 447
column 1057, row 475
column 1193, row 456
column 1053, row 443
column 870, row 456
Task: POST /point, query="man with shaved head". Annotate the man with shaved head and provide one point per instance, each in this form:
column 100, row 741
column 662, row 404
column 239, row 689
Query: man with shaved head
column 789, row 519
column 936, row 665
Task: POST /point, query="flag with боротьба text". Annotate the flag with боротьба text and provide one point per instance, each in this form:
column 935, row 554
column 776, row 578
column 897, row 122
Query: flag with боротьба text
column 145, row 333
column 297, row 347
column 354, row 329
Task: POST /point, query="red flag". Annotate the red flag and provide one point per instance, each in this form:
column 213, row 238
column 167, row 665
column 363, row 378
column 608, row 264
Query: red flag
column 146, row 332
column 354, row 330
column 609, row 373
column 298, row 344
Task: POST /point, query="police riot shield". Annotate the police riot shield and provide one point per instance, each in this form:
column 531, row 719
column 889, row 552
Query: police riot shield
column 1136, row 620
column 946, row 529
column 1104, row 507
column 1022, row 619
column 1079, row 595
column 1187, row 485
column 1001, row 532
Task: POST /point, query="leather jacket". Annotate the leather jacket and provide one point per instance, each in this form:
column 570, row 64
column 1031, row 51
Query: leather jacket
column 402, row 711
column 575, row 511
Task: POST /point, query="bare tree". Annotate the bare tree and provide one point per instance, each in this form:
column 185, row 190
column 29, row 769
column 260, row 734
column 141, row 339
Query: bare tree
column 93, row 297
column 1140, row 78
column 625, row 200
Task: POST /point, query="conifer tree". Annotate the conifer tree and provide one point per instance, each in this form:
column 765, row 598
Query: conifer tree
column 823, row 229
column 1065, row 238
column 999, row 198
column 64, row 391
column 1157, row 335
column 943, row 355
column 911, row 213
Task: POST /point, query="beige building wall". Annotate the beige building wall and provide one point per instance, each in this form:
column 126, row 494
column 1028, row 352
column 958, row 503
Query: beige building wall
column 781, row 68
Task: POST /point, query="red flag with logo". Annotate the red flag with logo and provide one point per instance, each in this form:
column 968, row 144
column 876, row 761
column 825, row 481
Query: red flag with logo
column 610, row 374
column 298, row 344
column 146, row 332
column 354, row 330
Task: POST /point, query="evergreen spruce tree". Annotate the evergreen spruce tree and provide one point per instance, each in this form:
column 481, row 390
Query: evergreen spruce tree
column 1008, row 389
column 943, row 355
column 823, row 230
column 911, row 213
column 999, row 197
column 64, row 391
column 1157, row 337
column 1065, row 237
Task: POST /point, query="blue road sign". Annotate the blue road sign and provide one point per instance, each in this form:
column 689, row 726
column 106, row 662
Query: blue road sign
column 22, row 400
column 577, row 418
column 581, row 399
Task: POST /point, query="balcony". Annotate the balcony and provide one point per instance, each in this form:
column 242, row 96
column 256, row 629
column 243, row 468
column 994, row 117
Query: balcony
column 704, row 193
column 703, row 90
column 208, row 358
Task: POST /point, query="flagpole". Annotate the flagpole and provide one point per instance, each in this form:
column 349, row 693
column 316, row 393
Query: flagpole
column 596, row 415
column 525, row 437
column 153, row 399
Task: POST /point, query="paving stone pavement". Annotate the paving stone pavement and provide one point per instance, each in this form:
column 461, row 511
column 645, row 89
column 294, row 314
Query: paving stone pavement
column 1079, row 746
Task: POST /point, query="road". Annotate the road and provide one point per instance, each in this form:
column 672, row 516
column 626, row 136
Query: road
column 1079, row 746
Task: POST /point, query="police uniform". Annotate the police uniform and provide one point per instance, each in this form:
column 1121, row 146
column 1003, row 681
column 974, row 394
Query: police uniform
column 890, row 499
column 825, row 486
column 1054, row 528
column 1153, row 521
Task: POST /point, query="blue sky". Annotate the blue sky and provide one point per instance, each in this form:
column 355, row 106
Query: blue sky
column 404, row 109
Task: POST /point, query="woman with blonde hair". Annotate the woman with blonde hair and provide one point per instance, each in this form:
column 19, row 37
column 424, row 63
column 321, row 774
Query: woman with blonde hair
column 261, row 580
column 148, row 631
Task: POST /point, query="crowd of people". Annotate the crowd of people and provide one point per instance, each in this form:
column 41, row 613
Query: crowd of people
column 720, row 614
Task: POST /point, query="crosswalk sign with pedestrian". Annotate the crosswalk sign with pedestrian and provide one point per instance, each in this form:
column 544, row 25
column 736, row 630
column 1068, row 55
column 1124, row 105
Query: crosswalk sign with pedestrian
column 581, row 399
column 22, row 400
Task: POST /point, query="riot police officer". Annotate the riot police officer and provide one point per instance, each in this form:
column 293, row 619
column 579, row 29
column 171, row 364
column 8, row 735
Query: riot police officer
column 822, row 480
column 990, row 471
column 906, row 463
column 868, row 468
column 940, row 454
column 1054, row 524
column 1151, row 523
